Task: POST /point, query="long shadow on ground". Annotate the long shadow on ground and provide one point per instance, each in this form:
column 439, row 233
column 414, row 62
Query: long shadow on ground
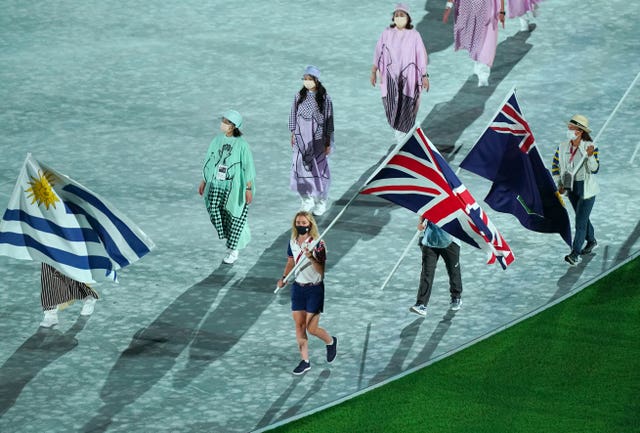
column 446, row 121
column 35, row 354
column 187, row 322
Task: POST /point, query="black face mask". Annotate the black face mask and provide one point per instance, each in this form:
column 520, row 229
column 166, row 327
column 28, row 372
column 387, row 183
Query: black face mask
column 302, row 230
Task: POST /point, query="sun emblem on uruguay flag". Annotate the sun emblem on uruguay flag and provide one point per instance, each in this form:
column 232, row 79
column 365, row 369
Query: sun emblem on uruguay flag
column 41, row 190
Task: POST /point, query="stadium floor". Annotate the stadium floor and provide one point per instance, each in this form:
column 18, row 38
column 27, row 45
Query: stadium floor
column 125, row 100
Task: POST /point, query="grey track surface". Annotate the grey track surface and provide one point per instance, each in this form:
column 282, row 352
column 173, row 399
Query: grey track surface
column 125, row 98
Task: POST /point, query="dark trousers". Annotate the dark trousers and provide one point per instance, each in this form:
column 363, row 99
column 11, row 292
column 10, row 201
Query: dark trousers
column 582, row 208
column 451, row 256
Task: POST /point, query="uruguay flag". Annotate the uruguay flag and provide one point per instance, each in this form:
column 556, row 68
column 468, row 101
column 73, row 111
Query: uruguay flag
column 53, row 219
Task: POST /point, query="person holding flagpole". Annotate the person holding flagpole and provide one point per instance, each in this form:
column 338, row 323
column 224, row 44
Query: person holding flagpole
column 228, row 184
column 59, row 289
column 77, row 236
column 435, row 243
column 575, row 165
column 307, row 292
column 400, row 59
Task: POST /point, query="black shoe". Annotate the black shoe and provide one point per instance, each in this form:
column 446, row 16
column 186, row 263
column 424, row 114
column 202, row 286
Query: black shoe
column 332, row 350
column 302, row 368
column 455, row 304
column 591, row 245
column 572, row 259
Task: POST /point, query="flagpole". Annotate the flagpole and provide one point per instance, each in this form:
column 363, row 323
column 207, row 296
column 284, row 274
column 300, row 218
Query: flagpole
column 391, row 154
column 635, row 152
column 404, row 254
column 606, row 123
column 616, row 109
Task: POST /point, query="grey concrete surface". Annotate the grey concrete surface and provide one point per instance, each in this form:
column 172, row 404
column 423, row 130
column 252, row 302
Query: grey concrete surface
column 125, row 97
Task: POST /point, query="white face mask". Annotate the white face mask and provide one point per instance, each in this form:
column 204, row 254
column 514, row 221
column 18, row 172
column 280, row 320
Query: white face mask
column 225, row 127
column 571, row 134
column 400, row 22
column 309, row 84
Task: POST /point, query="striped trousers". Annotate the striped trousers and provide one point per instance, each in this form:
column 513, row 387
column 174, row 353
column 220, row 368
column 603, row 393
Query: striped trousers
column 57, row 288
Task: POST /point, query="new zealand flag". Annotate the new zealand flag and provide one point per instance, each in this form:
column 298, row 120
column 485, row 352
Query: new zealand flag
column 522, row 186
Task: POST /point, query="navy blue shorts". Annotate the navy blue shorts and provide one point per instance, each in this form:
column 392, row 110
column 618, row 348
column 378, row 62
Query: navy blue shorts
column 307, row 298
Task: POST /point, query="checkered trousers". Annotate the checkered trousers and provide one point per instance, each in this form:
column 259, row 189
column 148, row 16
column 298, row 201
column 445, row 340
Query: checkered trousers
column 227, row 226
column 58, row 289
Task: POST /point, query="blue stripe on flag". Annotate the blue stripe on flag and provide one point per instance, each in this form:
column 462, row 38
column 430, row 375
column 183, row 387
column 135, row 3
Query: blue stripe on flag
column 71, row 234
column 110, row 246
column 56, row 254
column 137, row 245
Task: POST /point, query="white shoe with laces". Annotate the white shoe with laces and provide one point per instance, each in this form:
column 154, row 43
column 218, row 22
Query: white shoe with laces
column 419, row 309
column 88, row 305
column 320, row 208
column 231, row 257
column 307, row 203
column 50, row 318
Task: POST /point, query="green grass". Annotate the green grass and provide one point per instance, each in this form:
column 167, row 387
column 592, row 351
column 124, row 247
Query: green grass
column 574, row 367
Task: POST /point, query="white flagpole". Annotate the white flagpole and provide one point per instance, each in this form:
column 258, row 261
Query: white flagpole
column 606, row 123
column 391, row 154
column 617, row 106
column 635, row 152
column 304, row 259
column 404, row 254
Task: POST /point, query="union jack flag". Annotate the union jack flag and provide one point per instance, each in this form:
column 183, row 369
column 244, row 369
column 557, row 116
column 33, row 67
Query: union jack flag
column 506, row 153
column 418, row 178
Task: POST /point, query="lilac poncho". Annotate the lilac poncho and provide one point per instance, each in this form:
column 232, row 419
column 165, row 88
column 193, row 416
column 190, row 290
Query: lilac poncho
column 518, row 8
column 476, row 29
column 312, row 129
column 401, row 59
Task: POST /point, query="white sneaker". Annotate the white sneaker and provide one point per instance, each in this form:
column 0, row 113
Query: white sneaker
column 482, row 71
column 50, row 318
column 231, row 257
column 88, row 305
column 320, row 207
column 419, row 309
column 524, row 24
column 306, row 204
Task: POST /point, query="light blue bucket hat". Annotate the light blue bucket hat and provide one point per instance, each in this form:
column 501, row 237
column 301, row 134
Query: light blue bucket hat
column 234, row 117
column 313, row 71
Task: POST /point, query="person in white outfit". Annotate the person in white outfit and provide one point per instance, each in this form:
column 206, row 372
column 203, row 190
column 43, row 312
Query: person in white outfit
column 574, row 168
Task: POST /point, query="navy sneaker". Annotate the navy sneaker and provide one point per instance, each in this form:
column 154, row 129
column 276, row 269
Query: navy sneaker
column 332, row 350
column 572, row 259
column 302, row 368
column 591, row 245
